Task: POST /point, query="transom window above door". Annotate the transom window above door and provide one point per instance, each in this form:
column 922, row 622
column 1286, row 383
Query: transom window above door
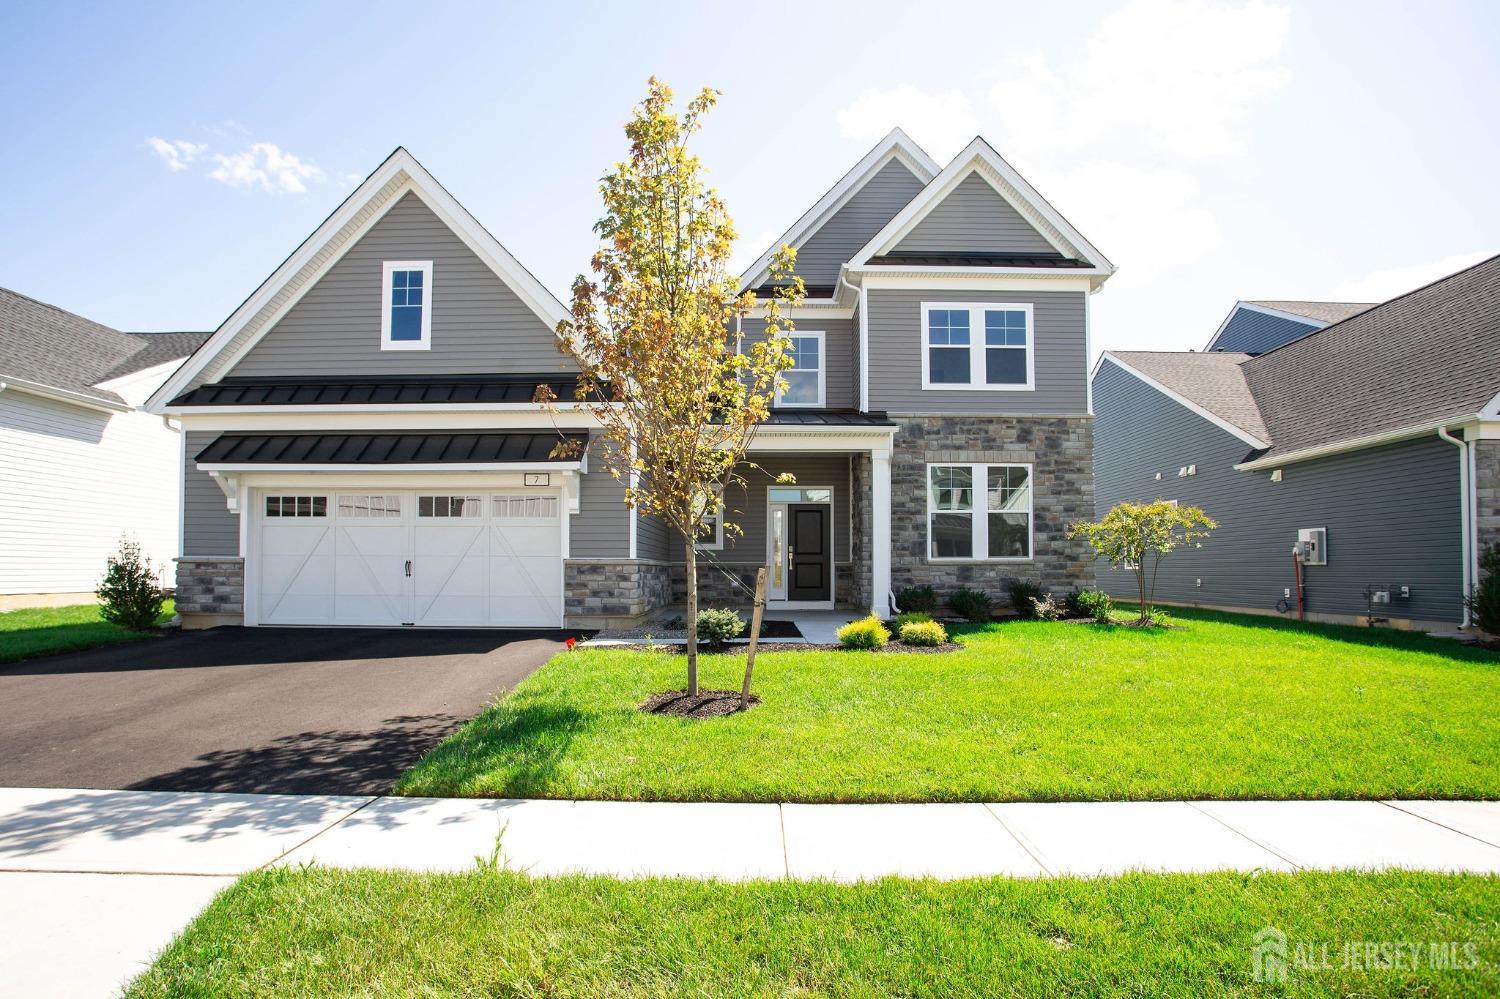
column 406, row 315
column 985, row 346
column 805, row 381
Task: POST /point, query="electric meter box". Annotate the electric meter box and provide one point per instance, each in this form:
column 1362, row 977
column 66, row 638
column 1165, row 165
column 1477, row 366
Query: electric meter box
column 1312, row 545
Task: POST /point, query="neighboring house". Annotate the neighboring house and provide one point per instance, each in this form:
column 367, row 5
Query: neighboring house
column 79, row 464
column 1374, row 438
column 362, row 447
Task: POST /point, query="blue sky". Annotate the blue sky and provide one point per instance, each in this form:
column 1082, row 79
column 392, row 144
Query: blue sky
column 1214, row 150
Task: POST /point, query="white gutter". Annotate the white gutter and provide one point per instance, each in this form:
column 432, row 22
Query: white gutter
column 1466, row 514
column 1353, row 443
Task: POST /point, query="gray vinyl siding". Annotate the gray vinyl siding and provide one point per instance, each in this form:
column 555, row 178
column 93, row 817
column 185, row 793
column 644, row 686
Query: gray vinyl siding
column 838, row 335
column 1392, row 513
column 852, row 226
column 601, row 527
column 1255, row 332
column 854, row 358
column 896, row 344
column 747, row 506
column 478, row 324
column 974, row 218
column 654, row 540
column 208, row 528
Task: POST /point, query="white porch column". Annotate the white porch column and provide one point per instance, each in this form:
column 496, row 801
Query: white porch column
column 880, row 534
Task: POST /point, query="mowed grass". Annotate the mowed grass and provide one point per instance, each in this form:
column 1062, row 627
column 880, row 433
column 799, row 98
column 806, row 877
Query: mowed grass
column 1222, row 706
column 42, row 631
column 321, row 933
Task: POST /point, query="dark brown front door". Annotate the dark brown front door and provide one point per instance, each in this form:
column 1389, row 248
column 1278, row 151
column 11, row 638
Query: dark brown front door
column 812, row 563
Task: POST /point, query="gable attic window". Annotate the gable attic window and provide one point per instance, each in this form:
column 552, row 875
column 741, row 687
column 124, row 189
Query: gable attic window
column 406, row 316
column 986, row 346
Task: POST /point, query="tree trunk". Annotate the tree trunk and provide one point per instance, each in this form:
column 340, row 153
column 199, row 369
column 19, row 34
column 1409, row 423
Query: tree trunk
column 755, row 615
column 692, row 618
column 1140, row 584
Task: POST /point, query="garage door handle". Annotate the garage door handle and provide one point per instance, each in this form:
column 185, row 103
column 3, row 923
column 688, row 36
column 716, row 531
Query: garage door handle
column 408, row 567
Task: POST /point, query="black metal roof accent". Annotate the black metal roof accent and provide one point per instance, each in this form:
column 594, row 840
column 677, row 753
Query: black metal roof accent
column 827, row 418
column 460, row 448
column 358, row 391
column 811, row 290
column 942, row 259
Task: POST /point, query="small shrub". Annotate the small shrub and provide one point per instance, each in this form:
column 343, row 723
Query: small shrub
column 1091, row 603
column 130, row 594
column 923, row 633
column 972, row 605
column 1044, row 608
column 717, row 625
column 1023, row 594
column 917, row 599
column 866, row 633
column 909, row 617
column 1484, row 601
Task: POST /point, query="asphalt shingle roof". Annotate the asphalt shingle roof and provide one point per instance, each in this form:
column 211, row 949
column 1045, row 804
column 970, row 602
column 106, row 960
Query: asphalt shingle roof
column 1214, row 381
column 1323, row 312
column 50, row 346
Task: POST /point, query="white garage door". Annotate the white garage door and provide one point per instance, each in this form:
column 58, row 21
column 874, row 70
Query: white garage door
column 450, row 559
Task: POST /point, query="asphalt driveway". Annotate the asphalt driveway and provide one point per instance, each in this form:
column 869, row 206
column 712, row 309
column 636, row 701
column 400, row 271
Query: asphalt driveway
column 265, row 710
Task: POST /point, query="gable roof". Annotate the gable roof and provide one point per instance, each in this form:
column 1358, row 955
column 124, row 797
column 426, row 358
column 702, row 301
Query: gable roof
column 397, row 176
column 1313, row 315
column 896, row 147
column 50, row 348
column 1211, row 385
column 1426, row 357
column 980, row 158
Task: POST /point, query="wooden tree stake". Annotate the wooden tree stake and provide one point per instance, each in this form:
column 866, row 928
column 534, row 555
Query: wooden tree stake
column 755, row 616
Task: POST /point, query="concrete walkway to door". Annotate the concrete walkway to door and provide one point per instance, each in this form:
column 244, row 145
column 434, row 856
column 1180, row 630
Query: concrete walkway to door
column 93, row 883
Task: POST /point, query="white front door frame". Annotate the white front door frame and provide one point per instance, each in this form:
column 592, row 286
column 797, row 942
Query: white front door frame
column 777, row 559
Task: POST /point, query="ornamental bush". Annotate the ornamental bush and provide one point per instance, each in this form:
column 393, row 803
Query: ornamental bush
column 923, row 633
column 908, row 617
column 1091, row 603
column 717, row 625
column 1023, row 594
column 917, row 598
column 972, row 605
column 866, row 633
column 130, row 594
column 1484, row 601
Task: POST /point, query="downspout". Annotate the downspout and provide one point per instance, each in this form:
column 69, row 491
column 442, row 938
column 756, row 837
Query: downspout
column 1466, row 515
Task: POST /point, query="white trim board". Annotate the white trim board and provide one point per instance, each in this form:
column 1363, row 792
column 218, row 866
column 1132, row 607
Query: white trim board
column 329, row 242
column 1181, row 400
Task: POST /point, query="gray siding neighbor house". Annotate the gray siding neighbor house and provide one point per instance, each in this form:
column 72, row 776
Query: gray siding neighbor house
column 1379, row 431
column 362, row 448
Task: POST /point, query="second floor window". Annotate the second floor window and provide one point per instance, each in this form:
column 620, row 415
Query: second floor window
column 804, row 379
column 985, row 346
column 406, row 317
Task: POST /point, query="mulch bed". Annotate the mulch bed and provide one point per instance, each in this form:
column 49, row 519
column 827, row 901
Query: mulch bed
column 739, row 650
column 708, row 703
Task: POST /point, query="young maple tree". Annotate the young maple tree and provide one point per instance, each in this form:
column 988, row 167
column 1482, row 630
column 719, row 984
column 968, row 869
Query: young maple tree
column 1135, row 535
column 653, row 334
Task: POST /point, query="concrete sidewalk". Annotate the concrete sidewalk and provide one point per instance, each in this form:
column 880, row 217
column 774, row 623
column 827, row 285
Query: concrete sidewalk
column 93, row 883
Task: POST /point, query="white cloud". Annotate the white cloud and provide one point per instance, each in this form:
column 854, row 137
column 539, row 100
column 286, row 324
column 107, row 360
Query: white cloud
column 176, row 154
column 747, row 249
column 1385, row 284
column 266, row 165
column 942, row 123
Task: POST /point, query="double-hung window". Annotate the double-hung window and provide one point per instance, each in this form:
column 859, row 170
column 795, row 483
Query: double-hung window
column 981, row 346
column 406, row 312
column 979, row 512
column 805, row 378
column 711, row 530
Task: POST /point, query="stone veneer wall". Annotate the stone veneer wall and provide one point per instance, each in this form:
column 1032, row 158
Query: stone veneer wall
column 1060, row 450
column 861, row 512
column 716, row 589
column 614, row 591
column 1487, row 492
column 210, row 591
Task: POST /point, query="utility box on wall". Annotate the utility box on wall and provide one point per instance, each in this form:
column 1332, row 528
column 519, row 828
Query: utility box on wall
column 1312, row 545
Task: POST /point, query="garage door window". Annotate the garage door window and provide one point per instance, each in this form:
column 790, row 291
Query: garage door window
column 525, row 507
column 448, row 506
column 362, row 505
column 296, row 506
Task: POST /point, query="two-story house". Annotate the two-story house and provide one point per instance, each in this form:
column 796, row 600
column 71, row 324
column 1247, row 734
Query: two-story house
column 361, row 446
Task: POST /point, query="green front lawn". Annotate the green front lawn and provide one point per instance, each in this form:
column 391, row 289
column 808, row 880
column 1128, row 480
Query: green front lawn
column 318, row 933
column 1221, row 707
column 43, row 631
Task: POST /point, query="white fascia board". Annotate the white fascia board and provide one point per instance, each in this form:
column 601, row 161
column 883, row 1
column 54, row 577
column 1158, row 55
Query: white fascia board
column 1313, row 324
column 896, row 145
column 529, row 466
column 819, row 308
column 62, row 395
column 526, row 287
column 975, row 279
column 1359, row 443
column 980, row 157
column 1183, row 401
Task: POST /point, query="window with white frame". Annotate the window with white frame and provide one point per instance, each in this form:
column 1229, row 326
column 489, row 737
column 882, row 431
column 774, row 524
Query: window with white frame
column 406, row 316
column 805, row 379
column 711, row 530
column 296, row 506
column 981, row 346
column 525, row 508
column 979, row 512
column 363, row 505
column 449, row 506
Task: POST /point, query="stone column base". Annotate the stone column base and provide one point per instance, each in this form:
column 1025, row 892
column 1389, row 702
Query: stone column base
column 614, row 593
column 210, row 592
